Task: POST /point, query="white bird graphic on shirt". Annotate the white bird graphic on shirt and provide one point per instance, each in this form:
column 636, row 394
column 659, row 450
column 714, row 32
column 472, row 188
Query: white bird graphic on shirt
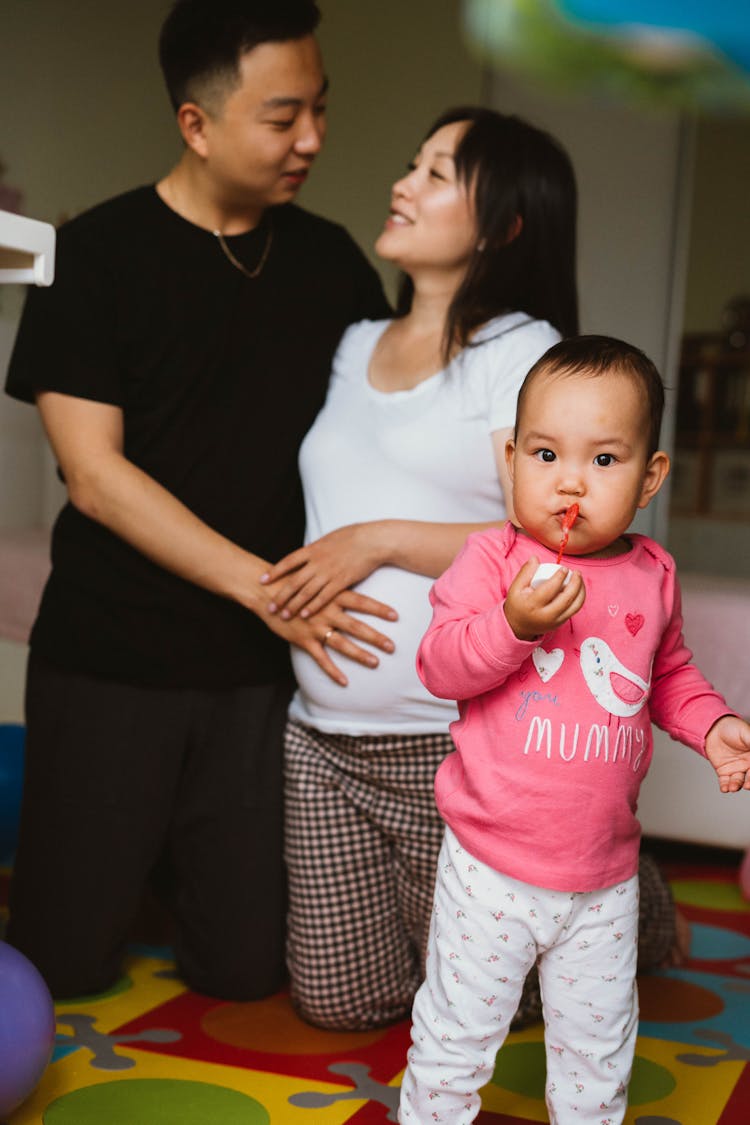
column 615, row 687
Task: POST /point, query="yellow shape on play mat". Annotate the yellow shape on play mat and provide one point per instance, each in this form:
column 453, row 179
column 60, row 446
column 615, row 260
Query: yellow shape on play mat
column 710, row 894
column 271, row 1090
column 147, row 991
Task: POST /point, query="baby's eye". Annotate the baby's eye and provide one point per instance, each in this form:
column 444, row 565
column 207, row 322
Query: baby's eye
column 436, row 175
column 604, row 459
column 544, row 455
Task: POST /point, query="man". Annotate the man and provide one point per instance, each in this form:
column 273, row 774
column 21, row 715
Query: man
column 177, row 362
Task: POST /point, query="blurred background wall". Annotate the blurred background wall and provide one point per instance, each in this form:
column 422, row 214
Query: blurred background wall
column 664, row 239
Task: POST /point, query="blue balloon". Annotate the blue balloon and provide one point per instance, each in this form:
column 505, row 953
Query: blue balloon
column 723, row 24
column 27, row 1028
column 687, row 54
column 11, row 783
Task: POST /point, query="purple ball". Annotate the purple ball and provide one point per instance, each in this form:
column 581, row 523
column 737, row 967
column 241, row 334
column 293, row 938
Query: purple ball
column 27, row 1028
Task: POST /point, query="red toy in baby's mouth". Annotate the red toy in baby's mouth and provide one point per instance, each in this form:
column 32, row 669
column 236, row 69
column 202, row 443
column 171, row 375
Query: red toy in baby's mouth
column 570, row 517
column 547, row 569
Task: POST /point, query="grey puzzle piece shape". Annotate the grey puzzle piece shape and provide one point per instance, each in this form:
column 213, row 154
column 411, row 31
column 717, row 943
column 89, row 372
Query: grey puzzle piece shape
column 102, row 1045
column 734, row 1052
column 365, row 1089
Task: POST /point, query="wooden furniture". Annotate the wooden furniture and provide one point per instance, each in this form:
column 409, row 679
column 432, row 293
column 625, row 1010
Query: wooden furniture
column 711, row 472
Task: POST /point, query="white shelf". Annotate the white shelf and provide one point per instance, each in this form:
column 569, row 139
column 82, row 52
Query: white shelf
column 27, row 250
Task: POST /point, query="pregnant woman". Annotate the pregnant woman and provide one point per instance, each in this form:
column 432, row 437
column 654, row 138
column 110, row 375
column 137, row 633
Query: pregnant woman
column 404, row 460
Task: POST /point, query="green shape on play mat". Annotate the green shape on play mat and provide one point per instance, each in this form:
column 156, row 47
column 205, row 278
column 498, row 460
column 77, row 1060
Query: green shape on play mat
column 122, row 984
column 155, row 1101
column 714, row 896
column 521, row 1068
column 650, row 1082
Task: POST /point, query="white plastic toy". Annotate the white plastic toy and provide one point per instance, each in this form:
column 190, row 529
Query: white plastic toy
column 546, row 570
column 27, row 250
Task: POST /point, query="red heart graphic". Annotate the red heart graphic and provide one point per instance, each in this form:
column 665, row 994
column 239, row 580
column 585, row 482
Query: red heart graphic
column 634, row 622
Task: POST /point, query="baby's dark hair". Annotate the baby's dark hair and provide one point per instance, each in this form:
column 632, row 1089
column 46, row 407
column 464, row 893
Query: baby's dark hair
column 598, row 355
column 201, row 41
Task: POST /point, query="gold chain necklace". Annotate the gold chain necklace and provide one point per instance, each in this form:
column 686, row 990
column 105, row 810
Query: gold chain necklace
column 252, row 274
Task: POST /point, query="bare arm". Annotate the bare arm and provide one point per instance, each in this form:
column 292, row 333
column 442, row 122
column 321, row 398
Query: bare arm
column 319, row 571
column 309, row 578
column 87, row 439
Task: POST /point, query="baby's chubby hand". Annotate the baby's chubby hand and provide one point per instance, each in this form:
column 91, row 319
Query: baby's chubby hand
column 532, row 612
column 728, row 751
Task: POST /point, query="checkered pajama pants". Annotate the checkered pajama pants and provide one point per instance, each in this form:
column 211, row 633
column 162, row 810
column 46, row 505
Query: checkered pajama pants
column 362, row 839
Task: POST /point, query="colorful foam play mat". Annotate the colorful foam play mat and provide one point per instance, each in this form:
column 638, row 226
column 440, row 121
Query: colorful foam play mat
column 150, row 1052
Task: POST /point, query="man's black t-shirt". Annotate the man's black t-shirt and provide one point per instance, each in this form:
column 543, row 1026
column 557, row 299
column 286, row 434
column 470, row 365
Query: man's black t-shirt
column 219, row 377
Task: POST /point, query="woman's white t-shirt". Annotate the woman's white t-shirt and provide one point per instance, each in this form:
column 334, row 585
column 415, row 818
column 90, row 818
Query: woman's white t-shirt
column 419, row 454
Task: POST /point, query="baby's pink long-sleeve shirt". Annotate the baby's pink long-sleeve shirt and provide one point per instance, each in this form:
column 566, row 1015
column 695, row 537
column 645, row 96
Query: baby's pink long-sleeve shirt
column 553, row 737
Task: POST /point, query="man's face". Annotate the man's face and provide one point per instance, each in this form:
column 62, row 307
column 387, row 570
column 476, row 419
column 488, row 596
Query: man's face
column 259, row 145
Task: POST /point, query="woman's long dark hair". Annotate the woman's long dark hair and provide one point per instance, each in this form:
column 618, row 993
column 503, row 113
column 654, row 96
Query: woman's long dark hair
column 514, row 171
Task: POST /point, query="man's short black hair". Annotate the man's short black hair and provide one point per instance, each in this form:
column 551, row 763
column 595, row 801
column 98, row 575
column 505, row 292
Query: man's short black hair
column 202, row 41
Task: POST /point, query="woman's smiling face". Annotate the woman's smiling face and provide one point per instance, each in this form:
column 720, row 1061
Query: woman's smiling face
column 431, row 223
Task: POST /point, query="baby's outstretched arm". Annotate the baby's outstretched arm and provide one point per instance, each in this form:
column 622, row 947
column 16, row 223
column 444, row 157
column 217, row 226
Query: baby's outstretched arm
column 728, row 751
column 531, row 612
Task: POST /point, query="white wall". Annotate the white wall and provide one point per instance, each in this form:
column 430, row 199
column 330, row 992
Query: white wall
column 82, row 116
column 22, row 476
column 393, row 67
column 83, row 113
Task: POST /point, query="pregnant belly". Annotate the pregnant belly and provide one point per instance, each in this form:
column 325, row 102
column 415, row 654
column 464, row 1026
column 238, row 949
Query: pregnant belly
column 392, row 687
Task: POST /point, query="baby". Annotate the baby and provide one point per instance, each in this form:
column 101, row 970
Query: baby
column 557, row 685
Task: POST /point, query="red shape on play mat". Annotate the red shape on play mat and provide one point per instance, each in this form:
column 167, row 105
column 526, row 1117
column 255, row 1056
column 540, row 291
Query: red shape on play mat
column 187, row 1013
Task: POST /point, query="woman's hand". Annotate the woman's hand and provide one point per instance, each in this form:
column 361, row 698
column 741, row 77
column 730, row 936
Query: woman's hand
column 317, row 573
column 335, row 629
column 531, row 612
